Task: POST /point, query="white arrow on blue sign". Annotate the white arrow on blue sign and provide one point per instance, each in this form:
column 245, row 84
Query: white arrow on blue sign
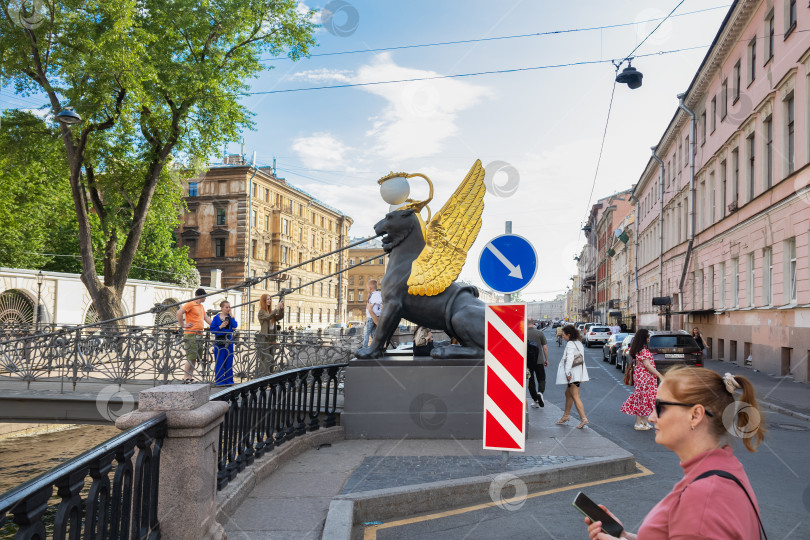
column 507, row 263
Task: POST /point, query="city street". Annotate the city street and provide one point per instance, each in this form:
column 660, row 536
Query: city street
column 778, row 472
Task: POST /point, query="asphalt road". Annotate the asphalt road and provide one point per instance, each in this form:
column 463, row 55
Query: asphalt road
column 779, row 473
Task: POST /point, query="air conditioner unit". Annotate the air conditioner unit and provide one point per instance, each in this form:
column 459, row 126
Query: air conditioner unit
column 732, row 207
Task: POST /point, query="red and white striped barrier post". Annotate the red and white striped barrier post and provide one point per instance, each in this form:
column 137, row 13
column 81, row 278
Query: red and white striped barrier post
column 505, row 377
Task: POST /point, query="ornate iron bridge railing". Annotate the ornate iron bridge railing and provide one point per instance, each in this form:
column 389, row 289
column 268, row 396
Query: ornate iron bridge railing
column 157, row 357
column 125, row 508
column 272, row 410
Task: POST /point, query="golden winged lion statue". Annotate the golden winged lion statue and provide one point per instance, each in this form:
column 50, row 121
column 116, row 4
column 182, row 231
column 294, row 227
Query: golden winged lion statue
column 424, row 261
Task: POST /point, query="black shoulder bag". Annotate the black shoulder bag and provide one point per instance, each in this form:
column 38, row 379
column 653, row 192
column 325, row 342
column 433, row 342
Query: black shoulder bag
column 729, row 476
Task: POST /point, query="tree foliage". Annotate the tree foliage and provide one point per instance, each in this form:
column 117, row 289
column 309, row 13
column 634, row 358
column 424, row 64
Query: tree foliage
column 36, row 209
column 153, row 80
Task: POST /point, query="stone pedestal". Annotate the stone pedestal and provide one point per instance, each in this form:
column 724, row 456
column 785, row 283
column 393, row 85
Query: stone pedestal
column 188, row 461
column 417, row 398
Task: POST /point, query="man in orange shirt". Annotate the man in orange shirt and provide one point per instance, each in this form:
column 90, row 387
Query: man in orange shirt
column 192, row 327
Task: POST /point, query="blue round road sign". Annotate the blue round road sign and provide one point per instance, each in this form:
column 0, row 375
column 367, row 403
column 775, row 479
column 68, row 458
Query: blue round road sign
column 507, row 263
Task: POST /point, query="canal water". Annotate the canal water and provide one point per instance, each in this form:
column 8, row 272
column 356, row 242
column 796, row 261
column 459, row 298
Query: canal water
column 24, row 457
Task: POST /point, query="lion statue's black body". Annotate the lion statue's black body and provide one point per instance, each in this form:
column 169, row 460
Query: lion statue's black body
column 457, row 310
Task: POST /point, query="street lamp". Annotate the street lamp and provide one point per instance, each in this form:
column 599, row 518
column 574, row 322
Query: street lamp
column 40, row 279
column 68, row 116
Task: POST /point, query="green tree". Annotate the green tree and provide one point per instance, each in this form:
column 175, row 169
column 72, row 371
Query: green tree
column 37, row 216
column 153, row 80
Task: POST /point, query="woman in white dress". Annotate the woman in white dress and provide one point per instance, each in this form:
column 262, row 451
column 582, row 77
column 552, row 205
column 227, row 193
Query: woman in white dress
column 571, row 375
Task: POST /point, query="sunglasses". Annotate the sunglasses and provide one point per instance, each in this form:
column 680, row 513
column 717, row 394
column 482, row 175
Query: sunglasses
column 659, row 406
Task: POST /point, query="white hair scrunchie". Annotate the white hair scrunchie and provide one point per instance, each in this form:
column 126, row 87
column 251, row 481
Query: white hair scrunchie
column 731, row 383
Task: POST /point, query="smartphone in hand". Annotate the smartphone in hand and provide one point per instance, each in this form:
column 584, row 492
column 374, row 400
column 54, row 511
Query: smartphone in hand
column 591, row 510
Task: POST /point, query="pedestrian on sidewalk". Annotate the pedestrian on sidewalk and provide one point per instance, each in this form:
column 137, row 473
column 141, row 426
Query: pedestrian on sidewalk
column 536, row 365
column 699, row 339
column 191, row 317
column 222, row 327
column 571, row 372
column 267, row 339
column 714, row 499
column 645, row 378
column 373, row 311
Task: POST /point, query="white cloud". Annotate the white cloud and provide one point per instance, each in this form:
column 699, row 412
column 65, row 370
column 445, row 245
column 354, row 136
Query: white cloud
column 420, row 115
column 321, row 151
column 323, row 75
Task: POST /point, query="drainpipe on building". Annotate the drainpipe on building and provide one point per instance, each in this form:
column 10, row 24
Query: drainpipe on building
column 634, row 202
column 249, row 236
column 691, row 223
column 340, row 272
column 660, row 226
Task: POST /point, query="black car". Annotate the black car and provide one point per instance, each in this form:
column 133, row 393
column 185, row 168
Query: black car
column 610, row 348
column 672, row 348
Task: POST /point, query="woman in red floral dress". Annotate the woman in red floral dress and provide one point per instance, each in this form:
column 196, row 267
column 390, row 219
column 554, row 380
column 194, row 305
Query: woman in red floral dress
column 642, row 401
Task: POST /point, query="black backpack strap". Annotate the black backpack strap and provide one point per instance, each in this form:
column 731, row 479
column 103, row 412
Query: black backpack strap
column 729, row 476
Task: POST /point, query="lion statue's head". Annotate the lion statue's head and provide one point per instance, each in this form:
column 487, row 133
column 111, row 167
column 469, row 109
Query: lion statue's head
column 396, row 227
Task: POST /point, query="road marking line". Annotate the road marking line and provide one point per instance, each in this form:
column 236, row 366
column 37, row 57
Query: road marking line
column 370, row 532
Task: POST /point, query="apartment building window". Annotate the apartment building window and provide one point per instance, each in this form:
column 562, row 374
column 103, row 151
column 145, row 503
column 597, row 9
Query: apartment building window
column 722, row 270
column 700, row 206
column 220, row 216
column 735, row 92
column 791, row 141
column 192, row 189
column 267, row 253
column 300, row 234
column 769, row 33
column 735, row 268
column 291, row 207
column 714, row 113
column 749, row 282
column 752, row 60
column 710, row 286
column 768, row 128
column 266, row 195
column 284, row 254
column 219, row 247
column 712, row 199
column 285, row 227
column 751, row 165
column 790, row 19
column 790, row 271
column 702, row 127
column 723, row 189
column 767, row 278
column 253, row 249
column 735, row 174
column 298, row 315
column 724, row 99
column 253, row 217
column 266, row 222
column 360, row 296
column 255, row 189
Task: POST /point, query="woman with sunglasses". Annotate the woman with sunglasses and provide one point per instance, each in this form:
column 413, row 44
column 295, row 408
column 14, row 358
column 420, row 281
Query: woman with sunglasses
column 645, row 379
column 714, row 499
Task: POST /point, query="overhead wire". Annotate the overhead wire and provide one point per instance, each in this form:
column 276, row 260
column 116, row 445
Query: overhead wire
column 610, row 107
column 496, row 38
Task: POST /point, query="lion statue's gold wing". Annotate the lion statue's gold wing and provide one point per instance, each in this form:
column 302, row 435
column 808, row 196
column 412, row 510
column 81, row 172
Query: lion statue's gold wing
column 449, row 235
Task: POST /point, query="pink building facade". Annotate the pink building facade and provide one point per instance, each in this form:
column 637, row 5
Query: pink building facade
column 729, row 244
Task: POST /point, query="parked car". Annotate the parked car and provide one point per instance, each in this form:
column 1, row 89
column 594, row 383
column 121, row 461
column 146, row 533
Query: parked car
column 596, row 334
column 672, row 348
column 335, row 329
column 609, row 349
column 622, row 356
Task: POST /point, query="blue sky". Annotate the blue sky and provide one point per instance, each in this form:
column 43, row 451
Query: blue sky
column 547, row 124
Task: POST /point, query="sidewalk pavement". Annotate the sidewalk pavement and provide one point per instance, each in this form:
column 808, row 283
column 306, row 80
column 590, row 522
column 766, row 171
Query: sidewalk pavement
column 781, row 394
column 293, row 501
